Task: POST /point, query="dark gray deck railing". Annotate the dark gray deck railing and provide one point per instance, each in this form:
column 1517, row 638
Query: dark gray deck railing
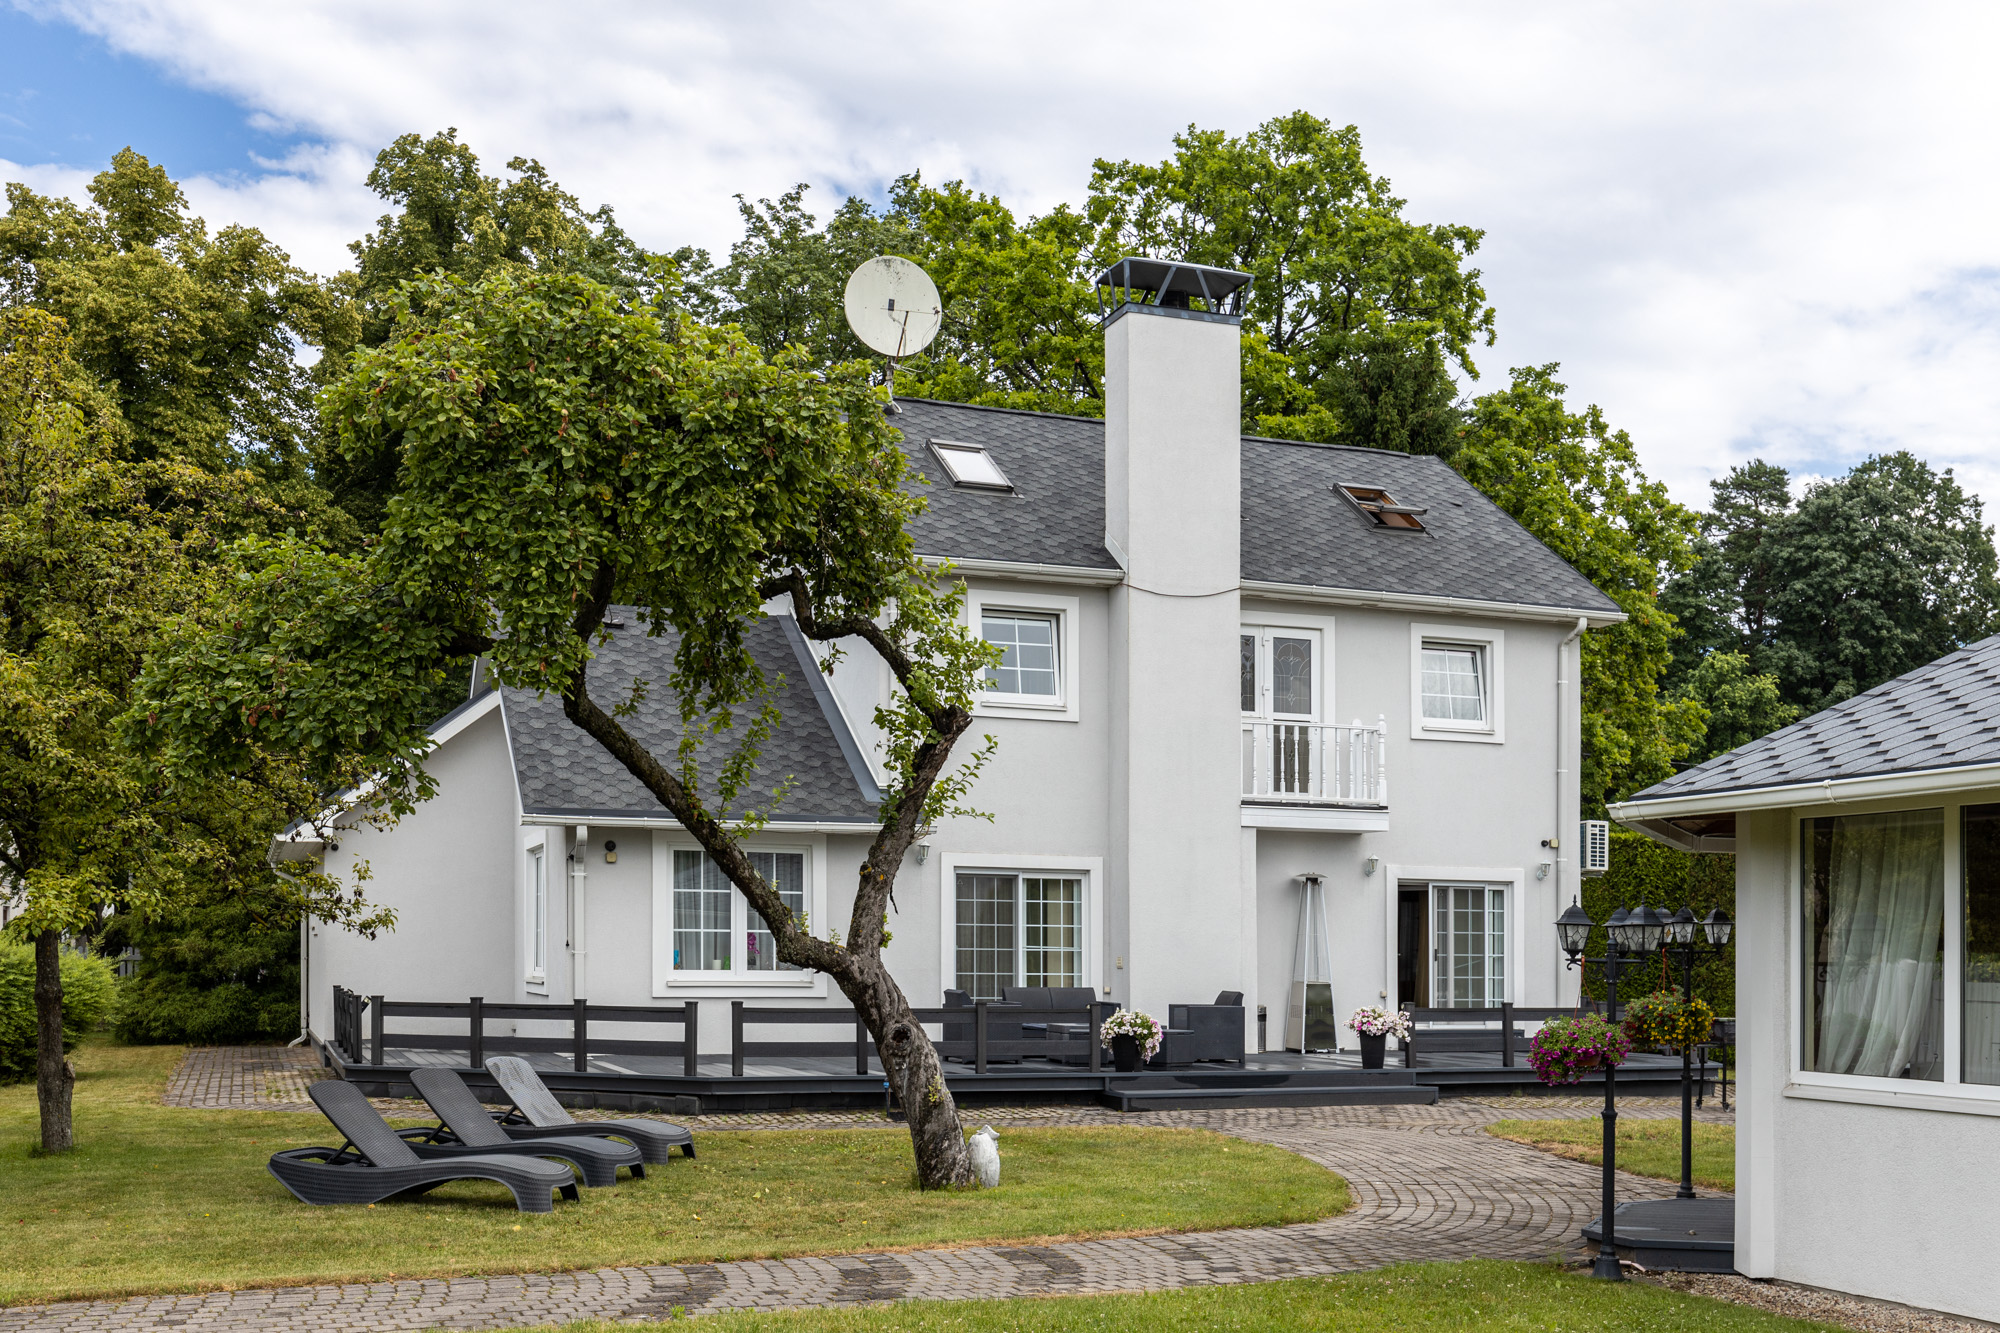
column 986, row 1033
column 478, row 1043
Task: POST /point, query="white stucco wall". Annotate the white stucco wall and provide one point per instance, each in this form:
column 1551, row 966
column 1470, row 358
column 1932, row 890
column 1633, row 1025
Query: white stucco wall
column 448, row 872
column 1901, row 1203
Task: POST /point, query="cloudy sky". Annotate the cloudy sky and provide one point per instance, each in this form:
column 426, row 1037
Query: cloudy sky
column 1744, row 229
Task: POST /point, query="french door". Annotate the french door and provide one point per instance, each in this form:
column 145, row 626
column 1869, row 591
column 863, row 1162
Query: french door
column 1279, row 694
column 1468, row 945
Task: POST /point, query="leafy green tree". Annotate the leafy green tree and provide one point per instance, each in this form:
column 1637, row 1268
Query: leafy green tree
column 786, row 279
column 1741, row 705
column 1575, row 484
column 99, row 556
column 1368, row 311
column 449, row 217
column 557, row 449
column 194, row 336
column 1866, row 577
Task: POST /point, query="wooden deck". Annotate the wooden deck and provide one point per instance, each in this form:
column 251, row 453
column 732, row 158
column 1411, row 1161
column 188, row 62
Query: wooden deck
column 640, row 1082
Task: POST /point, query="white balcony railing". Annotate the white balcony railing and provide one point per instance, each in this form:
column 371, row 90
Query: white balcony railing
column 1316, row 762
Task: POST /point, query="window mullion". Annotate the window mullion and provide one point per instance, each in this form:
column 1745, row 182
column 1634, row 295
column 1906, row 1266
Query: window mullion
column 1953, row 979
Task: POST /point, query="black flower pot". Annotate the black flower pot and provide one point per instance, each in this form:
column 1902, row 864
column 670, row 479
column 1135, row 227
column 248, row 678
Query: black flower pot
column 1372, row 1049
column 1124, row 1053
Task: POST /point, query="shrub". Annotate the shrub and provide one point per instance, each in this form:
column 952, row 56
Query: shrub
column 214, row 974
column 90, row 996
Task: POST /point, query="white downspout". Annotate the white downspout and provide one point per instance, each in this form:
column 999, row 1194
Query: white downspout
column 1562, row 767
column 579, row 917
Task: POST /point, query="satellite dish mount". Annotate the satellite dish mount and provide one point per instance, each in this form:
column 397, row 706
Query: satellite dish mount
column 893, row 307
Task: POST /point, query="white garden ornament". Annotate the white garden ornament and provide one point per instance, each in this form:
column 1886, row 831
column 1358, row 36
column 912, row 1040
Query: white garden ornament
column 984, row 1148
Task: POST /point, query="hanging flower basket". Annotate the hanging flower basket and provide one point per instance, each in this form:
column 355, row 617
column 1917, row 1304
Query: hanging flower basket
column 1568, row 1048
column 1668, row 1019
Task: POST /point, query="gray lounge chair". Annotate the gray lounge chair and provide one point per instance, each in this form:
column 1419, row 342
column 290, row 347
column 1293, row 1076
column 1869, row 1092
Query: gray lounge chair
column 375, row 1163
column 469, row 1128
column 538, row 1115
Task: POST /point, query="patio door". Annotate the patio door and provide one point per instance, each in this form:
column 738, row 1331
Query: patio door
column 1279, row 689
column 1468, row 945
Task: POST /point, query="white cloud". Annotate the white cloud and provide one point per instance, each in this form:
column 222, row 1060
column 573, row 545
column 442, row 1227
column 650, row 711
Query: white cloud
column 1743, row 228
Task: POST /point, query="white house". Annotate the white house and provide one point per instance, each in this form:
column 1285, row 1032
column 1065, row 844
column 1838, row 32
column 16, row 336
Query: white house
column 1230, row 661
column 1867, row 841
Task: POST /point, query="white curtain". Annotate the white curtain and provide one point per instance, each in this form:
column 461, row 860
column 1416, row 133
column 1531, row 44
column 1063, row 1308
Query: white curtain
column 1881, row 932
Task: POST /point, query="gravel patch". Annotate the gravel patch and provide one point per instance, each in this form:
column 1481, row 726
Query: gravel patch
column 1829, row 1307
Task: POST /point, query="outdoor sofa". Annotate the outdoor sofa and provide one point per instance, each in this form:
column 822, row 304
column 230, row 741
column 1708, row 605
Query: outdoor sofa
column 468, row 1128
column 1197, row 1032
column 375, row 1163
column 536, row 1114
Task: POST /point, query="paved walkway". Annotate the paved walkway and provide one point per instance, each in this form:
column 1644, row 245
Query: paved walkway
column 1427, row 1183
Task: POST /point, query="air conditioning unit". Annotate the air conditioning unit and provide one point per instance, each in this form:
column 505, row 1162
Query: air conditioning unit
column 1595, row 858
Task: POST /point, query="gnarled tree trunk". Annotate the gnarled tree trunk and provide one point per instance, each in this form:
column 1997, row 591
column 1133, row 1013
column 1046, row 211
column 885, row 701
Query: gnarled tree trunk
column 53, row 1076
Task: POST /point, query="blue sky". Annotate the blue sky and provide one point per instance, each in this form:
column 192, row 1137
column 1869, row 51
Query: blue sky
column 67, row 99
column 1743, row 227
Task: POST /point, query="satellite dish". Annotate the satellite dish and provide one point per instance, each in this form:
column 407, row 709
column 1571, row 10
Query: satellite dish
column 893, row 307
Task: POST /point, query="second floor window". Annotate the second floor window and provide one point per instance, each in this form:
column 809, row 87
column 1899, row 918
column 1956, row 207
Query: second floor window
column 1454, row 684
column 1028, row 667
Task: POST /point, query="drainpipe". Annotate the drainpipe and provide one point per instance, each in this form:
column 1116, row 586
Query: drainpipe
column 1562, row 769
column 578, row 916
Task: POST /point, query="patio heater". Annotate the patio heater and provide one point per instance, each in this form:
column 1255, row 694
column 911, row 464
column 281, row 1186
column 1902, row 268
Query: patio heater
column 1309, row 1020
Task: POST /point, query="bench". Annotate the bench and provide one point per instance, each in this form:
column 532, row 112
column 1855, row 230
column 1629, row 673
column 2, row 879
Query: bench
column 1447, row 1031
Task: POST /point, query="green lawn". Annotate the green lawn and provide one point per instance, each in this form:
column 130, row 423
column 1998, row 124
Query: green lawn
column 1645, row 1147
column 1409, row 1298
column 164, row 1200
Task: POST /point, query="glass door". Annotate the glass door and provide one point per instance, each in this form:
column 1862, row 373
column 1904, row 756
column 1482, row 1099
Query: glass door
column 1279, row 696
column 1468, row 945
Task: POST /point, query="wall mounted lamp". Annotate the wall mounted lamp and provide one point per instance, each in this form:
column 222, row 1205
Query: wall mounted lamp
column 1368, row 866
column 1542, row 870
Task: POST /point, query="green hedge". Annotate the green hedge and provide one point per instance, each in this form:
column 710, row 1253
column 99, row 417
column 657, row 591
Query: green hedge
column 90, row 996
column 214, row 974
column 1664, row 878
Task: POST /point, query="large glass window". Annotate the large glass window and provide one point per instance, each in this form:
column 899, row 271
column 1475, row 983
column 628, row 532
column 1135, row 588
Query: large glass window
column 1873, row 974
column 1469, row 958
column 1982, row 943
column 1018, row 930
column 710, row 914
column 1028, row 647
column 1454, row 684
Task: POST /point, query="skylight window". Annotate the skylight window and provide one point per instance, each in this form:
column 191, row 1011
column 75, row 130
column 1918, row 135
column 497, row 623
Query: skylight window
column 1382, row 510
column 971, row 466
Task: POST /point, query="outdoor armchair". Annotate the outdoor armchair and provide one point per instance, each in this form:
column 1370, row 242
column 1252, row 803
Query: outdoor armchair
column 1204, row 1031
column 468, row 1128
column 376, row 1164
column 537, row 1115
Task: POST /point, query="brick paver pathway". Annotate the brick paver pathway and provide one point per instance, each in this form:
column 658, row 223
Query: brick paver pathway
column 1427, row 1183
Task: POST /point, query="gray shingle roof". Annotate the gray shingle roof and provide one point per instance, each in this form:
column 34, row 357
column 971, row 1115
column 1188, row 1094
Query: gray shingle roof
column 563, row 771
column 1945, row 715
column 1295, row 528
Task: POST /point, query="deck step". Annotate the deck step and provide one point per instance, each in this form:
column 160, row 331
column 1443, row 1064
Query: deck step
column 1213, row 1099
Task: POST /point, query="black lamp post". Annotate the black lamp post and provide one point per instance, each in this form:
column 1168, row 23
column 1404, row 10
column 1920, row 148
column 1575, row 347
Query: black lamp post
column 1638, row 933
column 1685, row 947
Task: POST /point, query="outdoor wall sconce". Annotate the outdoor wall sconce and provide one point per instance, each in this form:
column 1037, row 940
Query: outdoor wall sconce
column 610, row 852
column 1368, row 866
column 1542, row 870
column 923, row 852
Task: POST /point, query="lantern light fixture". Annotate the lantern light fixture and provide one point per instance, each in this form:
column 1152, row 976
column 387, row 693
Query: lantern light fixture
column 1717, row 926
column 1573, row 929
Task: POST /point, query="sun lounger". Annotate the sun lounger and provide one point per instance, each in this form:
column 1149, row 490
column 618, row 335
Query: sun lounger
column 468, row 1128
column 537, row 1114
column 376, row 1164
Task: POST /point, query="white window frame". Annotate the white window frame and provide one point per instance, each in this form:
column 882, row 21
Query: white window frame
column 1513, row 879
column 1265, row 630
column 1509, row 909
column 1067, row 613
column 1491, row 644
column 534, row 843
column 1950, row 1094
column 1089, row 869
column 738, row 983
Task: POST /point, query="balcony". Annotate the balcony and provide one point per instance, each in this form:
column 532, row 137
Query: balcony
column 1316, row 775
